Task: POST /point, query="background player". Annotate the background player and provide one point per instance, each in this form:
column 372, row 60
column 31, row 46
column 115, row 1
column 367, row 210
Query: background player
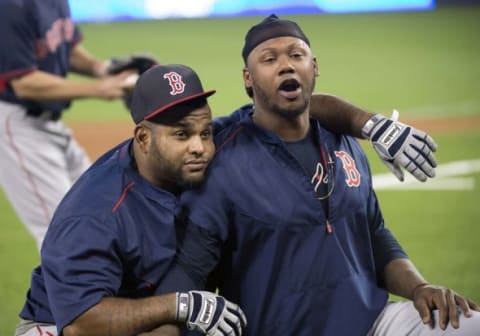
column 40, row 158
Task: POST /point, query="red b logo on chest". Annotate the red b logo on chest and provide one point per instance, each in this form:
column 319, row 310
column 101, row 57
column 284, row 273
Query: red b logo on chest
column 175, row 81
column 351, row 171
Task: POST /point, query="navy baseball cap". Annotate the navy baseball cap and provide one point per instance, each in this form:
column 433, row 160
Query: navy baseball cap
column 162, row 87
column 270, row 27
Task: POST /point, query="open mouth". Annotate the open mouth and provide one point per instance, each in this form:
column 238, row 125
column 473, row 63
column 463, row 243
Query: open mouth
column 290, row 88
column 289, row 85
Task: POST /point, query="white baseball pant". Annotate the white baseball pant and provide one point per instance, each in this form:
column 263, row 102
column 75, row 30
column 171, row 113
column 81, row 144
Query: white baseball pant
column 40, row 160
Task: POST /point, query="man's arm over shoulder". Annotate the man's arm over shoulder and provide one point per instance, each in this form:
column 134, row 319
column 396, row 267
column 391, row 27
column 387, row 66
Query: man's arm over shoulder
column 338, row 115
column 398, row 145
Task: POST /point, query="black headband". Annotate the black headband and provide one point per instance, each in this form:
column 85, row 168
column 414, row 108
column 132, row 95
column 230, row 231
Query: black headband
column 270, row 27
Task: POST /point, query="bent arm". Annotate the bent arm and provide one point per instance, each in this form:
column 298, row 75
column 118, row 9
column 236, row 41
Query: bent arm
column 338, row 115
column 125, row 317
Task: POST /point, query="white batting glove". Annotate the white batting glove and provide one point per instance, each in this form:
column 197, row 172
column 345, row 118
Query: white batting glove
column 400, row 145
column 209, row 313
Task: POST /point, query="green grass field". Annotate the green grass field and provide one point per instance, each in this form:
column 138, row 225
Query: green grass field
column 425, row 64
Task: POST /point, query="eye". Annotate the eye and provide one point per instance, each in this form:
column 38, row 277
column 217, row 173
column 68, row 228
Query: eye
column 268, row 59
column 181, row 134
column 207, row 134
column 296, row 55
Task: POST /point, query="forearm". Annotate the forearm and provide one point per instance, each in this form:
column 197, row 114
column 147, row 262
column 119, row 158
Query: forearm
column 82, row 62
column 401, row 278
column 40, row 85
column 124, row 317
column 166, row 330
column 338, row 115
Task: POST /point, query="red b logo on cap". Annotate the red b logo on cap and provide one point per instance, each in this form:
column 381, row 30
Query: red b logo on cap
column 175, row 82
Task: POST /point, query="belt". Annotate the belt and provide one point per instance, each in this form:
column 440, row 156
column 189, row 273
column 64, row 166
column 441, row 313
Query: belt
column 44, row 114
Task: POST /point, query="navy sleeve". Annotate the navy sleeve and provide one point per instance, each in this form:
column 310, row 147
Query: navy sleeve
column 200, row 237
column 81, row 266
column 384, row 244
column 198, row 253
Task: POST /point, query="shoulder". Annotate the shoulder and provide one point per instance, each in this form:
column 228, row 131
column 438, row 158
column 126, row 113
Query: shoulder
column 230, row 135
column 98, row 189
column 223, row 122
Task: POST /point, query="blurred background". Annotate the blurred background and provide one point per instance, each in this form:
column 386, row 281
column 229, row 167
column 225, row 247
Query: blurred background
column 419, row 57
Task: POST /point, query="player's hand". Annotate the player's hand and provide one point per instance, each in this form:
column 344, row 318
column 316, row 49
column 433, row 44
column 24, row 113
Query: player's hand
column 115, row 86
column 138, row 64
column 400, row 145
column 449, row 304
column 209, row 313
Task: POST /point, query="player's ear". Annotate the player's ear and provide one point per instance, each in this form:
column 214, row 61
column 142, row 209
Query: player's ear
column 315, row 67
column 247, row 79
column 142, row 135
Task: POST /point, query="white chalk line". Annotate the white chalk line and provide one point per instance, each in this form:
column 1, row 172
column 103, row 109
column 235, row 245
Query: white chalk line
column 449, row 176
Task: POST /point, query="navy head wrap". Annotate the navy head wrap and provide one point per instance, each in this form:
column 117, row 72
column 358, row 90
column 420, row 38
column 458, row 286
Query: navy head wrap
column 270, row 27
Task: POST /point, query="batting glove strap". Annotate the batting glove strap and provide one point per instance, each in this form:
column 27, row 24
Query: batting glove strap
column 368, row 127
column 182, row 307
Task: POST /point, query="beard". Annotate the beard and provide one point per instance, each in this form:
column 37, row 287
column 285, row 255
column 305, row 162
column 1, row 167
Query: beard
column 293, row 111
column 171, row 173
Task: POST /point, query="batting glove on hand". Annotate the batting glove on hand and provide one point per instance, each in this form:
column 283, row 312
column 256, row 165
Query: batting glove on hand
column 209, row 313
column 400, row 145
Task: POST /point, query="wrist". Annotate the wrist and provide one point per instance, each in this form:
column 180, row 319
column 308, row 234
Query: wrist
column 182, row 306
column 416, row 288
column 100, row 68
column 370, row 124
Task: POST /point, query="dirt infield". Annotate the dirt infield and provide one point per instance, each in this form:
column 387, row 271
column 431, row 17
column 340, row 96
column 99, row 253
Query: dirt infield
column 97, row 137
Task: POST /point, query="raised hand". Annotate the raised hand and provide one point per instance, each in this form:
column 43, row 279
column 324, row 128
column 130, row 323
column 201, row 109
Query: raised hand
column 400, row 145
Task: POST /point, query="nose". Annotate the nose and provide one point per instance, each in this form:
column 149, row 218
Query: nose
column 285, row 66
column 196, row 145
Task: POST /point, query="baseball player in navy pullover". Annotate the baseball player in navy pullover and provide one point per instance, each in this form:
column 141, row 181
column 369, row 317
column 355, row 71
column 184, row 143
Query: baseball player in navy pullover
column 113, row 236
column 289, row 219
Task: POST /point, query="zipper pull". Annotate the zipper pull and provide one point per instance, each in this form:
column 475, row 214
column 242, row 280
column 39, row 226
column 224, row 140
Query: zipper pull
column 328, row 227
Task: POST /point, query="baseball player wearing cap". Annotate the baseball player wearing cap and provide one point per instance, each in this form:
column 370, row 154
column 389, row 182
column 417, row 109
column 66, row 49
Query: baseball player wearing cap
column 288, row 217
column 113, row 238
column 40, row 158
